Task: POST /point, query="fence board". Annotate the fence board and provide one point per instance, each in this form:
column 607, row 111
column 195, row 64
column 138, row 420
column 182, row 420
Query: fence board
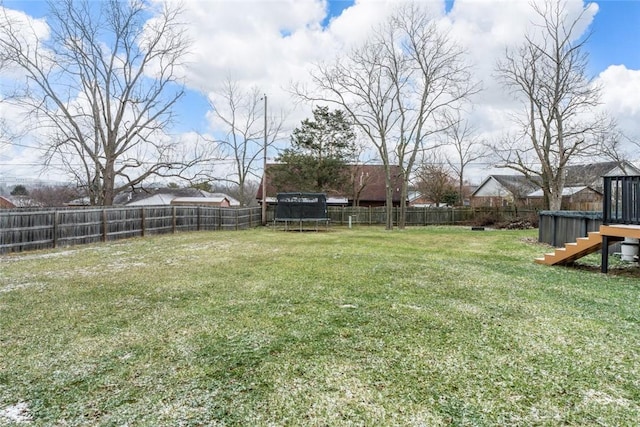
column 31, row 229
column 425, row 216
column 40, row 229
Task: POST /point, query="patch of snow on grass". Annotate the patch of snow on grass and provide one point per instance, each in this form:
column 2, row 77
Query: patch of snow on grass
column 601, row 398
column 18, row 286
column 18, row 413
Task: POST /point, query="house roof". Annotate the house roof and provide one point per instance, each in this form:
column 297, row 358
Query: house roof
column 208, row 201
column 517, row 185
column 155, row 200
column 164, row 196
column 592, row 173
column 566, row 191
column 370, row 178
column 587, row 175
column 19, row 202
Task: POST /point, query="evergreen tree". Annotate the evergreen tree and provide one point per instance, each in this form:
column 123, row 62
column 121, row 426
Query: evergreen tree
column 320, row 150
column 20, row 190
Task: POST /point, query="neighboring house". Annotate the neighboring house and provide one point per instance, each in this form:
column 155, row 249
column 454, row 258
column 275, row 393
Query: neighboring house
column 502, row 191
column 582, row 191
column 579, row 198
column 12, row 202
column 218, row 201
column 175, row 197
column 590, row 175
column 366, row 187
column 82, row 201
column 417, row 200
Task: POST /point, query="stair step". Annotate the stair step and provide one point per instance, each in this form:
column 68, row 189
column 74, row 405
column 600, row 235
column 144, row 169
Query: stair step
column 573, row 250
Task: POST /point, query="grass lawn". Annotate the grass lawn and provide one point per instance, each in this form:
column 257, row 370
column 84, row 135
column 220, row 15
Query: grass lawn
column 427, row 326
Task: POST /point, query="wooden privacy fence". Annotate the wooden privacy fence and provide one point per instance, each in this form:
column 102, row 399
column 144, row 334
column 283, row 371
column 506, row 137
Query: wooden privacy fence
column 427, row 215
column 29, row 229
column 22, row 230
column 339, row 215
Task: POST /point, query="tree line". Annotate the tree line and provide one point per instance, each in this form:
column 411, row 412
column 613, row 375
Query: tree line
column 103, row 86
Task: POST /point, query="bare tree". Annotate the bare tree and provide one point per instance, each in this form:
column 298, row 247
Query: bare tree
column 396, row 86
column 358, row 181
column 461, row 135
column 434, row 180
column 618, row 147
column 55, row 196
column 103, row 89
column 558, row 122
column 231, row 189
column 240, row 114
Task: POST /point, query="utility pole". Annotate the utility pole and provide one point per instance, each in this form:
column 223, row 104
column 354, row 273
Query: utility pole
column 264, row 167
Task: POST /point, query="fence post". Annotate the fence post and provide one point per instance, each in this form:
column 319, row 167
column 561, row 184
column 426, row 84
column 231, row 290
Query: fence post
column 198, row 220
column 175, row 220
column 143, row 220
column 104, row 225
column 55, row 229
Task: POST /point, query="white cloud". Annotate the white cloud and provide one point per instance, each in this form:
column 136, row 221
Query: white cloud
column 620, row 95
column 269, row 44
column 621, row 90
column 356, row 22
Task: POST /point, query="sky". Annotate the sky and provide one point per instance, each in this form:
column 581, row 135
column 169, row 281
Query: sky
column 268, row 44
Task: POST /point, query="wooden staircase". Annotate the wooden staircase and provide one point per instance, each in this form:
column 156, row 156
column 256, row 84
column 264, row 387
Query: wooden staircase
column 572, row 251
column 587, row 245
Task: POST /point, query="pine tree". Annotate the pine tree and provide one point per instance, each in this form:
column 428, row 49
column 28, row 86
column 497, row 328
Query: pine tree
column 320, row 150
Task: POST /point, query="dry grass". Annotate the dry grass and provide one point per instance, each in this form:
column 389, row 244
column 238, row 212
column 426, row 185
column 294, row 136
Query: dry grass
column 428, row 326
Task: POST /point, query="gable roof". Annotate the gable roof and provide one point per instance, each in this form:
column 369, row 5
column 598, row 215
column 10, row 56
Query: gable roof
column 155, row 200
column 567, row 191
column 164, row 196
column 591, row 174
column 369, row 178
column 587, row 175
column 517, row 185
column 9, row 202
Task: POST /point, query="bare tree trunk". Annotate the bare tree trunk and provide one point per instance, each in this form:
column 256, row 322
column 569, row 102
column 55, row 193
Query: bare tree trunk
column 389, row 198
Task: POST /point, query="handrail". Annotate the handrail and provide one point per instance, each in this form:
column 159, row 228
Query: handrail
column 621, row 204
